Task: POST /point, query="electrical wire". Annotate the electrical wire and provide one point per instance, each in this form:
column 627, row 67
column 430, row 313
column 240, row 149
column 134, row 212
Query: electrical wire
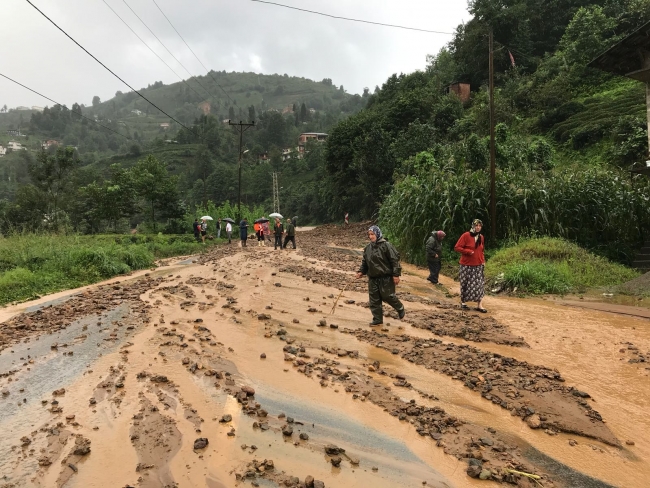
column 57, row 103
column 111, row 71
column 352, row 20
column 188, row 47
column 150, row 49
column 170, row 53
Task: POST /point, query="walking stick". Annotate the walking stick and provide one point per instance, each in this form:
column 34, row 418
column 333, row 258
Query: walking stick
column 337, row 298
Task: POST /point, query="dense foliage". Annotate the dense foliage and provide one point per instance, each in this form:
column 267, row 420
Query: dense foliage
column 566, row 133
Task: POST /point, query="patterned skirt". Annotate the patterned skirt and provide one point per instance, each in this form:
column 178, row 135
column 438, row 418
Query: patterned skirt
column 472, row 283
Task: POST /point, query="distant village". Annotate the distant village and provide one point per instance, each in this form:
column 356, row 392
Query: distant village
column 296, row 152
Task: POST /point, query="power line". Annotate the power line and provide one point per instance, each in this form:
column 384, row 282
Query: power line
column 353, row 20
column 170, row 53
column 150, row 49
column 188, row 47
column 57, row 103
column 109, row 70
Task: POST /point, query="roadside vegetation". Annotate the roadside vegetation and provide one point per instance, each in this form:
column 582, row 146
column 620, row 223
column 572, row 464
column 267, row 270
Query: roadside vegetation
column 34, row 265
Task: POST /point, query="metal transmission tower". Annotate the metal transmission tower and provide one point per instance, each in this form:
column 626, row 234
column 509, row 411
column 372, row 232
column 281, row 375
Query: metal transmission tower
column 241, row 128
column 276, row 193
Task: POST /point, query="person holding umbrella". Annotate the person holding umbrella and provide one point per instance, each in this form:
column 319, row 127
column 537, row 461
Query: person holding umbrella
column 259, row 230
column 381, row 264
column 243, row 231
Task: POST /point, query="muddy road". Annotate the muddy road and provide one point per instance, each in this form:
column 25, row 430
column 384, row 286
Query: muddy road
column 230, row 370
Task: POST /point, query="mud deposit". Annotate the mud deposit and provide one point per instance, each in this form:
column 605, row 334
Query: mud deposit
column 230, row 370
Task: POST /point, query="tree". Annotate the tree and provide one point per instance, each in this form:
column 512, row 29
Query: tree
column 156, row 187
column 51, row 174
column 251, row 113
column 4, row 108
column 231, row 113
column 589, row 33
column 303, row 113
column 96, row 101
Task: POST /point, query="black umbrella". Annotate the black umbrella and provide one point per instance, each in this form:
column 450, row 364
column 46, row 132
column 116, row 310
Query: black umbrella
column 228, row 219
column 262, row 220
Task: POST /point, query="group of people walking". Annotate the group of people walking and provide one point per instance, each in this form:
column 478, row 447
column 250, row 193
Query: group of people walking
column 261, row 228
column 381, row 264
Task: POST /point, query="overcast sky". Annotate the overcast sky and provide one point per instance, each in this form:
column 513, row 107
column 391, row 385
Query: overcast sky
column 235, row 35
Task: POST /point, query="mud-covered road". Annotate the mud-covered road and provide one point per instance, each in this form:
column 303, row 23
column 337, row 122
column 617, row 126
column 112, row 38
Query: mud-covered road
column 230, row 370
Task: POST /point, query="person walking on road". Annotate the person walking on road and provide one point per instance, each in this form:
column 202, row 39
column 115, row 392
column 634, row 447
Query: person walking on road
column 472, row 263
column 291, row 234
column 278, row 230
column 243, row 231
column 229, row 231
column 381, row 264
column 204, row 230
column 218, row 228
column 197, row 229
column 267, row 232
column 434, row 253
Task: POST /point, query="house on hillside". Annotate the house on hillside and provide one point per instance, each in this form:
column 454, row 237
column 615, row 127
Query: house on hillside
column 310, row 136
column 3, row 151
column 287, row 110
column 38, row 109
column 49, row 143
column 136, row 112
column 15, row 133
column 22, row 108
column 312, row 111
column 462, row 91
column 165, row 125
column 264, row 157
column 205, row 107
column 15, row 146
column 287, row 153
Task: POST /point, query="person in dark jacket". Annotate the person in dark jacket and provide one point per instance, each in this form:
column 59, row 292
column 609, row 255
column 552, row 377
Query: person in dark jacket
column 291, row 234
column 294, row 221
column 381, row 264
column 278, row 231
column 434, row 252
column 243, row 232
column 197, row 229
column 472, row 263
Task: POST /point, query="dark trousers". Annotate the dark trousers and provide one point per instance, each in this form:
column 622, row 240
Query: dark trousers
column 382, row 290
column 434, row 271
column 278, row 241
column 288, row 239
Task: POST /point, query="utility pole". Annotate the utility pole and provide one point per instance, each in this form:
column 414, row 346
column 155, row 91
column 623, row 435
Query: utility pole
column 241, row 128
column 493, row 190
column 276, row 193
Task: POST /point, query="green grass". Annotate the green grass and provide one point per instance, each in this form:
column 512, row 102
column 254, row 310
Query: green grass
column 34, row 265
column 549, row 265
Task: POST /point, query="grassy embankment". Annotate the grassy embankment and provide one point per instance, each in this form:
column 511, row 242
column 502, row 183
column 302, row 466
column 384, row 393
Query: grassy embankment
column 549, row 265
column 34, row 265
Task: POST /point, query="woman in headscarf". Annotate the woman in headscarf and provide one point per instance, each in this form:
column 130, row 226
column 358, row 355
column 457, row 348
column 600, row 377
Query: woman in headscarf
column 381, row 264
column 434, row 252
column 472, row 263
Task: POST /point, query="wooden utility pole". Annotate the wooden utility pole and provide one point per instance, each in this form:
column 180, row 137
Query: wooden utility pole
column 493, row 189
column 241, row 128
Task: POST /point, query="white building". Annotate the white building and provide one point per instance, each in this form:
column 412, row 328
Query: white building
column 136, row 112
column 3, row 151
column 15, row 146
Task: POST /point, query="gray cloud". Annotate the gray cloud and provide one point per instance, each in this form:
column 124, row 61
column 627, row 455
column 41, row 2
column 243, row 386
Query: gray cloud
column 235, row 35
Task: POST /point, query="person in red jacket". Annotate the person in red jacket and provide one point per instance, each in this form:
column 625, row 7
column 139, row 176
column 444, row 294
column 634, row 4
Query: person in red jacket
column 472, row 261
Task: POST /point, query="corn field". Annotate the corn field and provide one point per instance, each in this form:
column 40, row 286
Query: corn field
column 599, row 209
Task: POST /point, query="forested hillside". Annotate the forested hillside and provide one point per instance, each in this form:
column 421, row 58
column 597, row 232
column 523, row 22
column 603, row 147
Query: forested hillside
column 566, row 135
column 203, row 158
